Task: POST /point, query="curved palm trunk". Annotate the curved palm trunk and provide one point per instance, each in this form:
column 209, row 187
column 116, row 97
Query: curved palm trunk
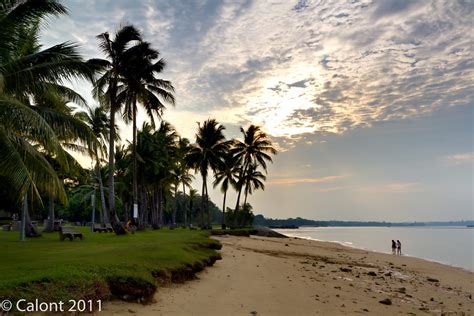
column 134, row 154
column 245, row 199
column 223, row 211
column 104, row 218
column 27, row 228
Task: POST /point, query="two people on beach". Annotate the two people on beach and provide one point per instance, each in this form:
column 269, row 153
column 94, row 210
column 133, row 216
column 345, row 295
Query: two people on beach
column 396, row 247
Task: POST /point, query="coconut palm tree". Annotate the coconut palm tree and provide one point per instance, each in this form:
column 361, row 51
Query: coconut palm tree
column 29, row 75
column 255, row 149
column 208, row 153
column 108, row 87
column 253, row 180
column 99, row 122
column 141, row 86
column 184, row 177
column 226, row 176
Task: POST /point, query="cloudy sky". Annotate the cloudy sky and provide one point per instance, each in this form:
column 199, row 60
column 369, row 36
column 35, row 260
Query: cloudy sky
column 370, row 102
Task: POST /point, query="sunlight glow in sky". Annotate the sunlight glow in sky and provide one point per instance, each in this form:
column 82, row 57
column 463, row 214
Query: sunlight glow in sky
column 376, row 95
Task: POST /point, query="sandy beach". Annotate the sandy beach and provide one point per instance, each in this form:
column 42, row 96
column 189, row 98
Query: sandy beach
column 272, row 276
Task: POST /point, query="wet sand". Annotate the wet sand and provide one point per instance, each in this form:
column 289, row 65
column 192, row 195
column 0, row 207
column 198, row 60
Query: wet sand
column 272, row 276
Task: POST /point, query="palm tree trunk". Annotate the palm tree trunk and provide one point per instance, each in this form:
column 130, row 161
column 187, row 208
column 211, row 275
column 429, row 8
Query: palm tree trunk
column 50, row 224
column 160, row 205
column 240, row 184
column 192, row 216
column 208, row 210
column 24, row 211
column 184, row 206
column 134, row 154
column 113, row 213
column 245, row 199
column 175, row 209
column 104, row 218
column 223, row 211
column 202, row 201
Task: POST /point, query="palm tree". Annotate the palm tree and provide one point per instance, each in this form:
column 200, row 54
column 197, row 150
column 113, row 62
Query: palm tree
column 29, row 131
column 108, row 87
column 193, row 193
column 184, row 177
column 255, row 149
column 141, row 85
column 99, row 122
column 253, row 180
column 208, row 152
column 226, row 176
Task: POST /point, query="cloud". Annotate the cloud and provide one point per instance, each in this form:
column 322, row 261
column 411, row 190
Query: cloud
column 394, row 187
column 460, row 158
column 298, row 67
column 293, row 181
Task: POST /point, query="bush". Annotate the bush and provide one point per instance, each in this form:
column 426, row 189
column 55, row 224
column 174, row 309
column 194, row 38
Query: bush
column 242, row 218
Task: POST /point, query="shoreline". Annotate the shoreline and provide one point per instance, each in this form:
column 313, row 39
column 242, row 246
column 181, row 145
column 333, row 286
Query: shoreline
column 466, row 266
column 341, row 243
column 295, row 276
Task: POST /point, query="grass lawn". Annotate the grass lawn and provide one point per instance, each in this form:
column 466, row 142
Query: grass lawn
column 100, row 265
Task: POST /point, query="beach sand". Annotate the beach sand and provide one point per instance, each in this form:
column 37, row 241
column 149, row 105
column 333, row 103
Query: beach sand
column 288, row 276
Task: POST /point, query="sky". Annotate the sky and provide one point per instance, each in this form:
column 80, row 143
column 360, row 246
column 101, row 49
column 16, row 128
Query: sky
column 370, row 103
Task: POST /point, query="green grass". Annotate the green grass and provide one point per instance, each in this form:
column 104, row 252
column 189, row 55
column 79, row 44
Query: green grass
column 51, row 270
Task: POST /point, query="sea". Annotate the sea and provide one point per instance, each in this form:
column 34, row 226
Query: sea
column 449, row 245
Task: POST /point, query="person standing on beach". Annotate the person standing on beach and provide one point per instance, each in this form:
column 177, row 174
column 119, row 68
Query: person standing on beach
column 399, row 247
column 394, row 247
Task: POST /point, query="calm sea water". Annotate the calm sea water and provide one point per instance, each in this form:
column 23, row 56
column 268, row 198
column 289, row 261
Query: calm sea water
column 448, row 245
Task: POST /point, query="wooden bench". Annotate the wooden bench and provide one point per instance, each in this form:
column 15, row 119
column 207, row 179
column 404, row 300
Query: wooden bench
column 99, row 228
column 69, row 233
column 109, row 227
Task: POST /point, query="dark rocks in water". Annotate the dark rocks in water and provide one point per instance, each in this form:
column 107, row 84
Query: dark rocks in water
column 432, row 280
column 284, row 227
column 371, row 273
column 386, row 301
column 345, row 269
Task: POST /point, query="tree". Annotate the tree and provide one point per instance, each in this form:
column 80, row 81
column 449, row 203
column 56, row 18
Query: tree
column 107, row 89
column 141, row 85
column 208, row 153
column 29, row 75
column 99, row 122
column 182, row 172
column 255, row 149
column 253, row 180
column 226, row 176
